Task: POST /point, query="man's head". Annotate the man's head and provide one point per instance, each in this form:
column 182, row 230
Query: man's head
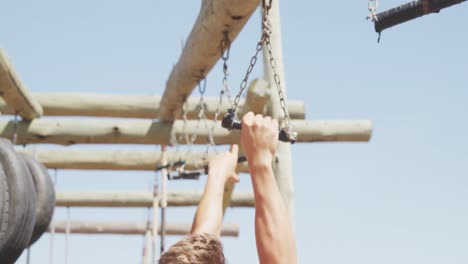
column 195, row 249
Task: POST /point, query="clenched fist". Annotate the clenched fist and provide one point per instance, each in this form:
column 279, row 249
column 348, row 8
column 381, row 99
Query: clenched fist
column 259, row 137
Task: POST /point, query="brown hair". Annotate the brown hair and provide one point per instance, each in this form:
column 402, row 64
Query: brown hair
column 195, row 249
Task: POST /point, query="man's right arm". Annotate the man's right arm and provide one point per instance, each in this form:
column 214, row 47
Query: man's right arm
column 273, row 227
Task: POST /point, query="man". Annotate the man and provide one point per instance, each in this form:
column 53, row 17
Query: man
column 273, row 227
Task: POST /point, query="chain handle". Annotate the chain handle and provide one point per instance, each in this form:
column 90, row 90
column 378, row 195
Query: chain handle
column 202, row 114
column 185, row 136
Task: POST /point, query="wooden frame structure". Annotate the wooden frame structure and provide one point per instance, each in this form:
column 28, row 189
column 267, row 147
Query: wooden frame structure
column 216, row 19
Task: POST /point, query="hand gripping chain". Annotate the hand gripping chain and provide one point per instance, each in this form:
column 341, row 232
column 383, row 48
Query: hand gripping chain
column 230, row 122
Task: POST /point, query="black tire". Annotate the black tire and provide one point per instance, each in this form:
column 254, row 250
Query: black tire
column 45, row 196
column 21, row 204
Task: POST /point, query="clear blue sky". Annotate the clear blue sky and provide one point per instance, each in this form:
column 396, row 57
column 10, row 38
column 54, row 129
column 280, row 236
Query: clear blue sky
column 401, row 198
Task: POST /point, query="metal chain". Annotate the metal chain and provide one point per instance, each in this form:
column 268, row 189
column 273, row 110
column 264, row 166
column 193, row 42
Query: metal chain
column 253, row 60
column 372, row 7
column 267, row 32
column 67, row 236
column 265, row 40
column 225, row 48
column 201, row 118
column 202, row 104
column 185, row 136
column 287, row 118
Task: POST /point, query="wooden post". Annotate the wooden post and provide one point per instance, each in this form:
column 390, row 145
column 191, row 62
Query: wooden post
column 202, row 49
column 282, row 166
column 163, row 200
column 15, row 93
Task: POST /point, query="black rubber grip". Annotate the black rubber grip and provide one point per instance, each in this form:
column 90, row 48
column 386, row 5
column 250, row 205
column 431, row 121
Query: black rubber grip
column 409, row 11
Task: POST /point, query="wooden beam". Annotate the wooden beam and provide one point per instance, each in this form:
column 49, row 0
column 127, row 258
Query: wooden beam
column 141, row 199
column 202, row 49
column 15, row 93
column 282, row 164
column 76, row 131
column 131, row 228
column 131, row 106
column 79, row 159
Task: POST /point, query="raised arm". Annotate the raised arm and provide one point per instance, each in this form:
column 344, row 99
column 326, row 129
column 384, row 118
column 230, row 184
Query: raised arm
column 273, row 228
column 209, row 215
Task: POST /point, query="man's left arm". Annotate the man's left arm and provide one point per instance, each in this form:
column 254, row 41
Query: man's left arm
column 209, row 215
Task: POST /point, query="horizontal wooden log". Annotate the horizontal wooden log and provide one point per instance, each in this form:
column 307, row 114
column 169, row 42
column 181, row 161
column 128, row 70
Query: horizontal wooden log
column 203, row 49
column 75, row 131
column 15, row 94
column 410, row 11
column 256, row 101
column 130, row 228
column 132, row 106
column 79, row 159
column 142, row 199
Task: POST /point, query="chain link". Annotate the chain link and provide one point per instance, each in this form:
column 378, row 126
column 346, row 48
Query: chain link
column 244, row 82
column 190, row 140
column 287, row 118
column 372, row 7
column 202, row 114
column 265, row 41
column 225, row 48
